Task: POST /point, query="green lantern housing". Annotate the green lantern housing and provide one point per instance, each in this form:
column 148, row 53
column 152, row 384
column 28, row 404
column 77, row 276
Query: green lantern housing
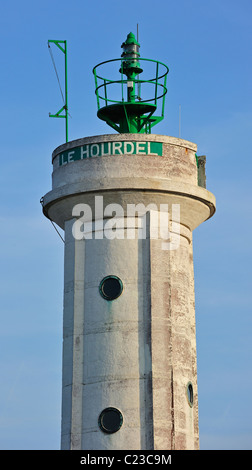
column 128, row 104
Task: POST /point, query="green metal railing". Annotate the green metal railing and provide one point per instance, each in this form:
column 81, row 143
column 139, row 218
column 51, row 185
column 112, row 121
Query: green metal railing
column 134, row 106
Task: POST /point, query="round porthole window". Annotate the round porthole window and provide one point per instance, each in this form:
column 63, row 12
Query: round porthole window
column 111, row 287
column 110, row 420
column 189, row 392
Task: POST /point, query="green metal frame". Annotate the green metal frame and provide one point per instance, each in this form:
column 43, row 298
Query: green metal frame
column 65, row 107
column 140, row 123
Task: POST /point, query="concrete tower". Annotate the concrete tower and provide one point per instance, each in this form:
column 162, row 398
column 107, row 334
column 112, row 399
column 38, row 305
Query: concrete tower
column 128, row 203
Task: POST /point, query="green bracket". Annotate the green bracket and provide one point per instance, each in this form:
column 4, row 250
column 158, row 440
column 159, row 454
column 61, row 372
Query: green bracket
column 65, row 107
column 58, row 114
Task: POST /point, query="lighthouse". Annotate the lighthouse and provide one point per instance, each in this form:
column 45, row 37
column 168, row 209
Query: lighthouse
column 128, row 202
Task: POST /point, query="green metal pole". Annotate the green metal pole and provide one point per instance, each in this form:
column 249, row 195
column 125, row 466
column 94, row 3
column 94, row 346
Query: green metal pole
column 65, row 107
column 66, row 91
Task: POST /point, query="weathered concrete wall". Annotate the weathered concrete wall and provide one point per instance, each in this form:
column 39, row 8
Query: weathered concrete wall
column 109, row 348
column 138, row 352
column 178, row 162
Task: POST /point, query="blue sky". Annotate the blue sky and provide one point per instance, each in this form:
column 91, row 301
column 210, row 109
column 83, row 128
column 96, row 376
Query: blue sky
column 207, row 47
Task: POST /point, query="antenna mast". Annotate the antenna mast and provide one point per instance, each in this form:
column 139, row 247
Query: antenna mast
column 179, row 120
